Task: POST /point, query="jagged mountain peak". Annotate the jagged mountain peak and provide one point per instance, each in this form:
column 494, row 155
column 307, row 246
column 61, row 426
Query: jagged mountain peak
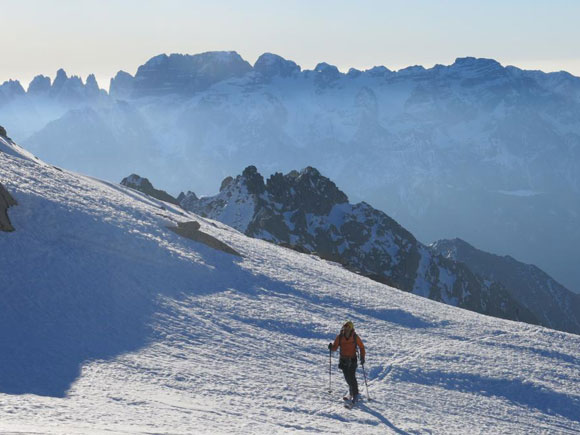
column 326, row 73
column 458, row 248
column 39, row 84
column 353, row 73
column 121, row 86
column 65, row 87
column 253, row 180
column 185, row 74
column 11, row 88
column 378, row 71
column 305, row 210
column 122, row 74
column 477, row 67
column 308, row 190
column 414, row 70
column 193, row 61
column 91, row 81
column 136, row 181
column 324, row 67
column 60, row 79
column 269, row 65
column 470, row 61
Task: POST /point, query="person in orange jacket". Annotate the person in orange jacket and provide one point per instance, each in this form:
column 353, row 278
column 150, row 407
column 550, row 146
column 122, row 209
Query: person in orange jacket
column 348, row 341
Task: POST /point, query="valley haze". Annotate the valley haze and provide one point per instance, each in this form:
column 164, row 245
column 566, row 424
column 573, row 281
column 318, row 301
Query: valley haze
column 474, row 150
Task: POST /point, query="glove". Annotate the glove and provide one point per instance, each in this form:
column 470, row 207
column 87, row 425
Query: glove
column 329, row 346
column 362, row 360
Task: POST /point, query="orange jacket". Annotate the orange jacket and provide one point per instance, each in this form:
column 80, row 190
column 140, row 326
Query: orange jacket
column 347, row 347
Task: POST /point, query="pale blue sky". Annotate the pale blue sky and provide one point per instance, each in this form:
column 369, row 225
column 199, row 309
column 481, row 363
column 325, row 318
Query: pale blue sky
column 104, row 36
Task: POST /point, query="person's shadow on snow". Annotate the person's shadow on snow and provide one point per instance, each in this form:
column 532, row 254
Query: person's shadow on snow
column 363, row 406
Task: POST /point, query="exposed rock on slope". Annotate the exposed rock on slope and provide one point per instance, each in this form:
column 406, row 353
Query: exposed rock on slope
column 6, row 201
column 191, row 231
column 144, row 185
column 306, row 211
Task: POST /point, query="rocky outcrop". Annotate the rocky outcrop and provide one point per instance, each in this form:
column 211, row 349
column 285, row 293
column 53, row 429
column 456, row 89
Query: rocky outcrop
column 121, row 86
column 3, row 131
column 378, row 71
column 326, row 74
column 271, row 65
column 190, row 230
column 551, row 303
column 92, row 87
column 10, row 90
column 67, row 88
column 40, row 85
column 6, row 201
column 144, row 185
column 186, row 74
column 306, row 211
column 307, row 190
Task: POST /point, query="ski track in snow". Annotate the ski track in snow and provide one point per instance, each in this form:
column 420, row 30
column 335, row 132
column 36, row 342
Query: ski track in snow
column 240, row 345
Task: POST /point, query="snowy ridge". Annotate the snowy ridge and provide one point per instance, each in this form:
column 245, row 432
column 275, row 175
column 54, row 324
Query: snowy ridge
column 553, row 304
column 7, row 146
column 307, row 212
column 233, row 206
column 110, row 322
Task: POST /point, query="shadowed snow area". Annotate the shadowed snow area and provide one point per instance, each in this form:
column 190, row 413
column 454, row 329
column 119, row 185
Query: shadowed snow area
column 111, row 322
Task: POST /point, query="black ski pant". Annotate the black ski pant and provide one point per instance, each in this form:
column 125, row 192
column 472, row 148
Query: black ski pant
column 348, row 367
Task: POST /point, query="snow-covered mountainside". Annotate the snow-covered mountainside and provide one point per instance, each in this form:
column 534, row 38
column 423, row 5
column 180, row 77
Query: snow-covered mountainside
column 475, row 150
column 306, row 211
column 114, row 320
column 549, row 301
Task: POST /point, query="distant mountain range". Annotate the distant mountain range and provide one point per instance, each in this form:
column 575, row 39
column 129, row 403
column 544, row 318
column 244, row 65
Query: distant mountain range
column 305, row 211
column 474, row 150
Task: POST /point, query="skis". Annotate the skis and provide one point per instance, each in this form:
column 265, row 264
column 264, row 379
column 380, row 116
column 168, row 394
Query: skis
column 348, row 404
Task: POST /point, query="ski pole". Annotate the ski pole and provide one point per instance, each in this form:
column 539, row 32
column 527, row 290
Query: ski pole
column 365, row 375
column 329, row 371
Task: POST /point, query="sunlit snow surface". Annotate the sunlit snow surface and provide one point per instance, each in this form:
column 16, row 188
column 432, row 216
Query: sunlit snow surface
column 128, row 328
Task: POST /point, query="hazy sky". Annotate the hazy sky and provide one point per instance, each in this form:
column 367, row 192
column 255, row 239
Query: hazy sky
column 104, row 36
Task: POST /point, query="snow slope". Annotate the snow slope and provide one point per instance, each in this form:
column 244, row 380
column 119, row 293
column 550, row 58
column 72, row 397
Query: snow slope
column 112, row 323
